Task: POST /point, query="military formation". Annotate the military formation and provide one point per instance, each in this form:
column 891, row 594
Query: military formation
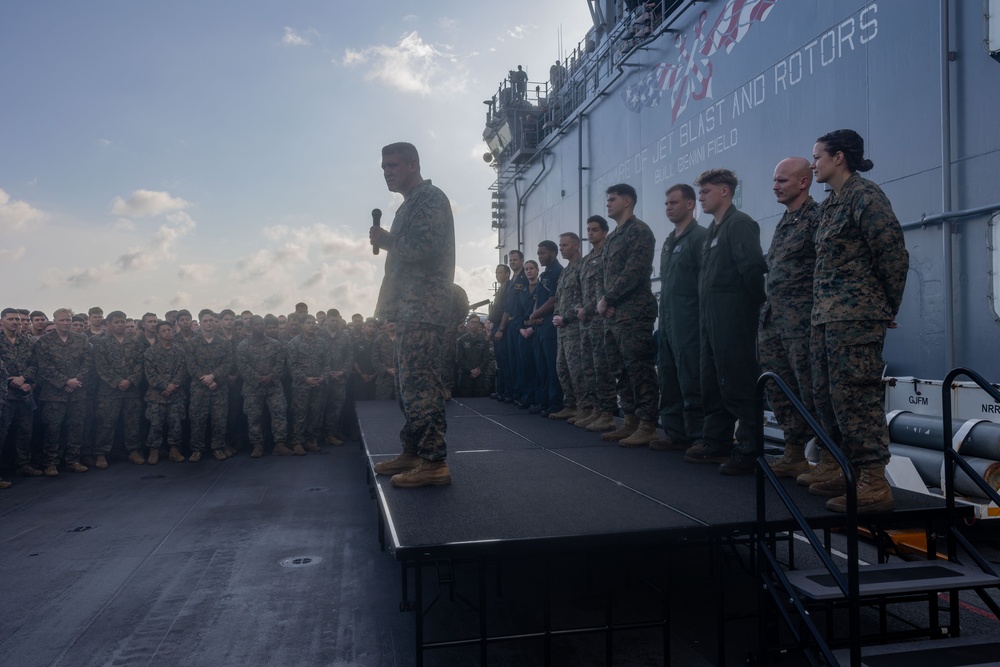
column 814, row 311
column 76, row 387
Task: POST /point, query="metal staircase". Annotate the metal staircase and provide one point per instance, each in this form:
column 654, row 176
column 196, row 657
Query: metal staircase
column 798, row 598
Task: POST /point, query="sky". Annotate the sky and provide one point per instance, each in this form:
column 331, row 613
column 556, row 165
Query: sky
column 194, row 154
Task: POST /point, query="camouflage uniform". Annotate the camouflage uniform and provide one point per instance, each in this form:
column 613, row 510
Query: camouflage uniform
column 569, row 363
column 209, row 358
column 417, row 293
column 307, row 357
column 783, row 333
column 731, row 290
column 62, row 412
column 114, row 362
column 681, row 411
column 341, row 359
column 598, row 379
column 18, row 407
column 164, row 366
column 384, row 358
column 628, row 264
column 861, row 265
column 255, row 361
column 472, row 352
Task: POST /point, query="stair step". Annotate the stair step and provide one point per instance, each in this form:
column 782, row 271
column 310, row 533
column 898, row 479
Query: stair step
column 947, row 652
column 893, row 579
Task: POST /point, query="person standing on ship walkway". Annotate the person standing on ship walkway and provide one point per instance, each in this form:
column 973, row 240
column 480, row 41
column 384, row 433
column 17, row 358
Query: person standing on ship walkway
column 417, row 294
column 730, row 292
column 629, row 307
column 681, row 413
column 861, row 265
column 784, row 328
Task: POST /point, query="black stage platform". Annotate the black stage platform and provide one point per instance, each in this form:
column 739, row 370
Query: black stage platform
column 520, row 481
column 528, row 487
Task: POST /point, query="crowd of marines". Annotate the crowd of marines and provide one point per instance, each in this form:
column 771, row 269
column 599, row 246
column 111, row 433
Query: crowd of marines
column 74, row 386
column 574, row 342
column 577, row 342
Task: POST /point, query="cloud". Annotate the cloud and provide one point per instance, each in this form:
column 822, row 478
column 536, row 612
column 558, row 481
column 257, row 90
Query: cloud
column 270, row 263
column 326, row 239
column 518, row 31
column 12, row 254
column 486, row 242
column 412, row 66
column 83, row 277
column 104, row 143
column 160, row 247
column 181, row 299
column 147, row 203
column 196, row 273
column 293, row 38
column 273, row 301
column 16, row 214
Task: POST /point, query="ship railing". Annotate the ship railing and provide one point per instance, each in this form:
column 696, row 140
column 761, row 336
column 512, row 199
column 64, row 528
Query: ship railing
column 775, row 588
column 953, row 459
column 588, row 68
column 770, row 570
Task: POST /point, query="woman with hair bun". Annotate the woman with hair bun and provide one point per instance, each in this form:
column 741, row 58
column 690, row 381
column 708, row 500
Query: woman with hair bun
column 861, row 265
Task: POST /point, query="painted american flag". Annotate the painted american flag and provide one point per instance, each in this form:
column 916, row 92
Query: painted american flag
column 690, row 76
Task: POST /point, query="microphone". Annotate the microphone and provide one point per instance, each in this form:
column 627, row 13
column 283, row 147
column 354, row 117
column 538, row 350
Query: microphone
column 376, row 222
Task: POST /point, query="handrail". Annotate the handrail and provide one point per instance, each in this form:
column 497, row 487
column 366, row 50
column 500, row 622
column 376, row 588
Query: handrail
column 952, row 457
column 851, row 587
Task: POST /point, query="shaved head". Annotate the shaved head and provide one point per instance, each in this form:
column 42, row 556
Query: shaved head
column 792, row 180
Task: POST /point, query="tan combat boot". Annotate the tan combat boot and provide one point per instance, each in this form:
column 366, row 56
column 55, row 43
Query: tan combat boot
column 154, row 457
column 874, row 492
column 830, row 488
column 312, row 446
column 565, row 413
column 51, row 471
column 700, row 452
column 102, row 462
column 258, row 451
column 604, row 422
column 175, row 455
column 334, row 440
column 402, row 463
column 578, row 414
column 135, row 456
column 229, row 451
column 219, row 454
column 645, row 434
column 428, row 473
column 588, row 419
column 298, row 450
column 195, row 457
column 281, row 450
column 5, row 485
column 76, row 466
column 668, row 444
column 792, row 463
column 824, row 471
column 628, row 427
